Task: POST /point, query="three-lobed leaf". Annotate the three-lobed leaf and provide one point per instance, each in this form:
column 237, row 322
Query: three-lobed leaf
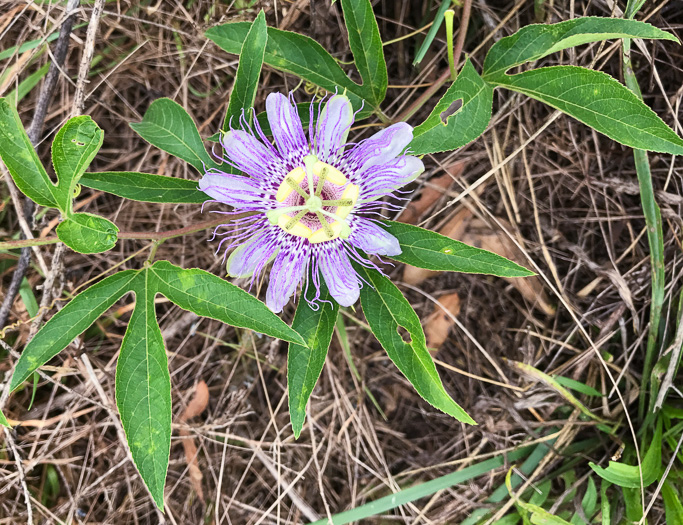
column 447, row 129
column 170, row 128
column 88, row 233
column 397, row 327
column 599, row 101
column 305, row 363
column 145, row 187
column 366, row 45
column 73, row 149
column 21, row 159
column 248, row 71
column 433, row 251
column 142, row 377
column 536, row 41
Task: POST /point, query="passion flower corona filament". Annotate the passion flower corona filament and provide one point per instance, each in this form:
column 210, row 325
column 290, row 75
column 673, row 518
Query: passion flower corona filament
column 310, row 201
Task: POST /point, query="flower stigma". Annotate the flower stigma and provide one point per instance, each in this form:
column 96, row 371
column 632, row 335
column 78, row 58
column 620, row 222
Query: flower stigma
column 317, row 200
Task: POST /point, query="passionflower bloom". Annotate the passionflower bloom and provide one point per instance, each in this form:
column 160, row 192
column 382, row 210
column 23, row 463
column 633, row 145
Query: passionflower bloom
column 313, row 201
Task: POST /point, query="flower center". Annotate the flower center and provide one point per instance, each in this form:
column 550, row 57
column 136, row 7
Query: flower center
column 316, row 201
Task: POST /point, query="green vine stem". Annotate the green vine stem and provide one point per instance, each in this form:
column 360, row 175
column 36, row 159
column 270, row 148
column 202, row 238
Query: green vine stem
column 147, row 236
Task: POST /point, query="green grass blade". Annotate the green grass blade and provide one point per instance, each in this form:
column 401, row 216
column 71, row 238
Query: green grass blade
column 423, row 490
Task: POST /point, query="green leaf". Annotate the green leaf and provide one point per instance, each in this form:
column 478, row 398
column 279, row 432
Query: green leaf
column 170, row 128
column 3, row 420
column 69, row 322
column 73, row 149
column 599, row 101
column 433, row 251
column 305, row 363
column 628, row 476
column 443, row 131
column 577, row 385
column 143, row 390
column 538, row 515
column 366, row 46
column 145, row 187
column 672, row 504
column 433, row 30
column 88, row 233
column 538, row 40
column 248, row 71
column 21, row 159
column 210, row 296
column 292, row 53
column 26, row 85
column 398, row 329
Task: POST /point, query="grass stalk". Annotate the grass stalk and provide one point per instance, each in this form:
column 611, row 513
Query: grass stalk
column 655, row 237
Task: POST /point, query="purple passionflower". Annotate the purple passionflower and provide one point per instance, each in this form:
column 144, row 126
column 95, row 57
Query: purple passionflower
column 309, row 197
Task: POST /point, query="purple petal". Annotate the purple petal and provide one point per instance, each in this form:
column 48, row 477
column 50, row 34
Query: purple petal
column 233, row 190
column 249, row 155
column 332, row 127
column 339, row 275
column 384, row 179
column 286, row 126
column 373, row 239
column 288, row 269
column 251, row 256
column 383, row 146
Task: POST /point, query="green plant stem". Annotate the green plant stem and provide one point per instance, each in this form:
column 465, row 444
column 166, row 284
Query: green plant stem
column 462, row 33
column 653, row 221
column 448, row 16
column 147, row 236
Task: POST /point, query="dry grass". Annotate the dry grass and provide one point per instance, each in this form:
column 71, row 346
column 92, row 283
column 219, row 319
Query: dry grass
column 568, row 199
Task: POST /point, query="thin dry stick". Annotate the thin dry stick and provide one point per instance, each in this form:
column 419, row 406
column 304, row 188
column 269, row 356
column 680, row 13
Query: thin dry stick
column 22, row 476
column 33, row 132
column 56, row 268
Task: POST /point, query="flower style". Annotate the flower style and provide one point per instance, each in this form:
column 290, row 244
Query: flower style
column 308, row 199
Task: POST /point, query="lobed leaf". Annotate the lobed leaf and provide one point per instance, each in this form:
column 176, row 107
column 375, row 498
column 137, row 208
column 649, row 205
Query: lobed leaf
column 208, row 295
column 145, row 187
column 388, row 313
column 22, row 160
column 366, row 45
column 143, row 390
column 73, row 149
column 305, row 363
column 292, row 53
column 445, row 130
column 433, row 251
column 599, row 101
column 170, row 128
column 248, row 71
column 539, row 40
column 88, row 233
column 67, row 324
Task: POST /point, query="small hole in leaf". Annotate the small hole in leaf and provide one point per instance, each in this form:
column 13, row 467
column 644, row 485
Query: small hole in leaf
column 405, row 335
column 451, row 110
column 77, row 142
